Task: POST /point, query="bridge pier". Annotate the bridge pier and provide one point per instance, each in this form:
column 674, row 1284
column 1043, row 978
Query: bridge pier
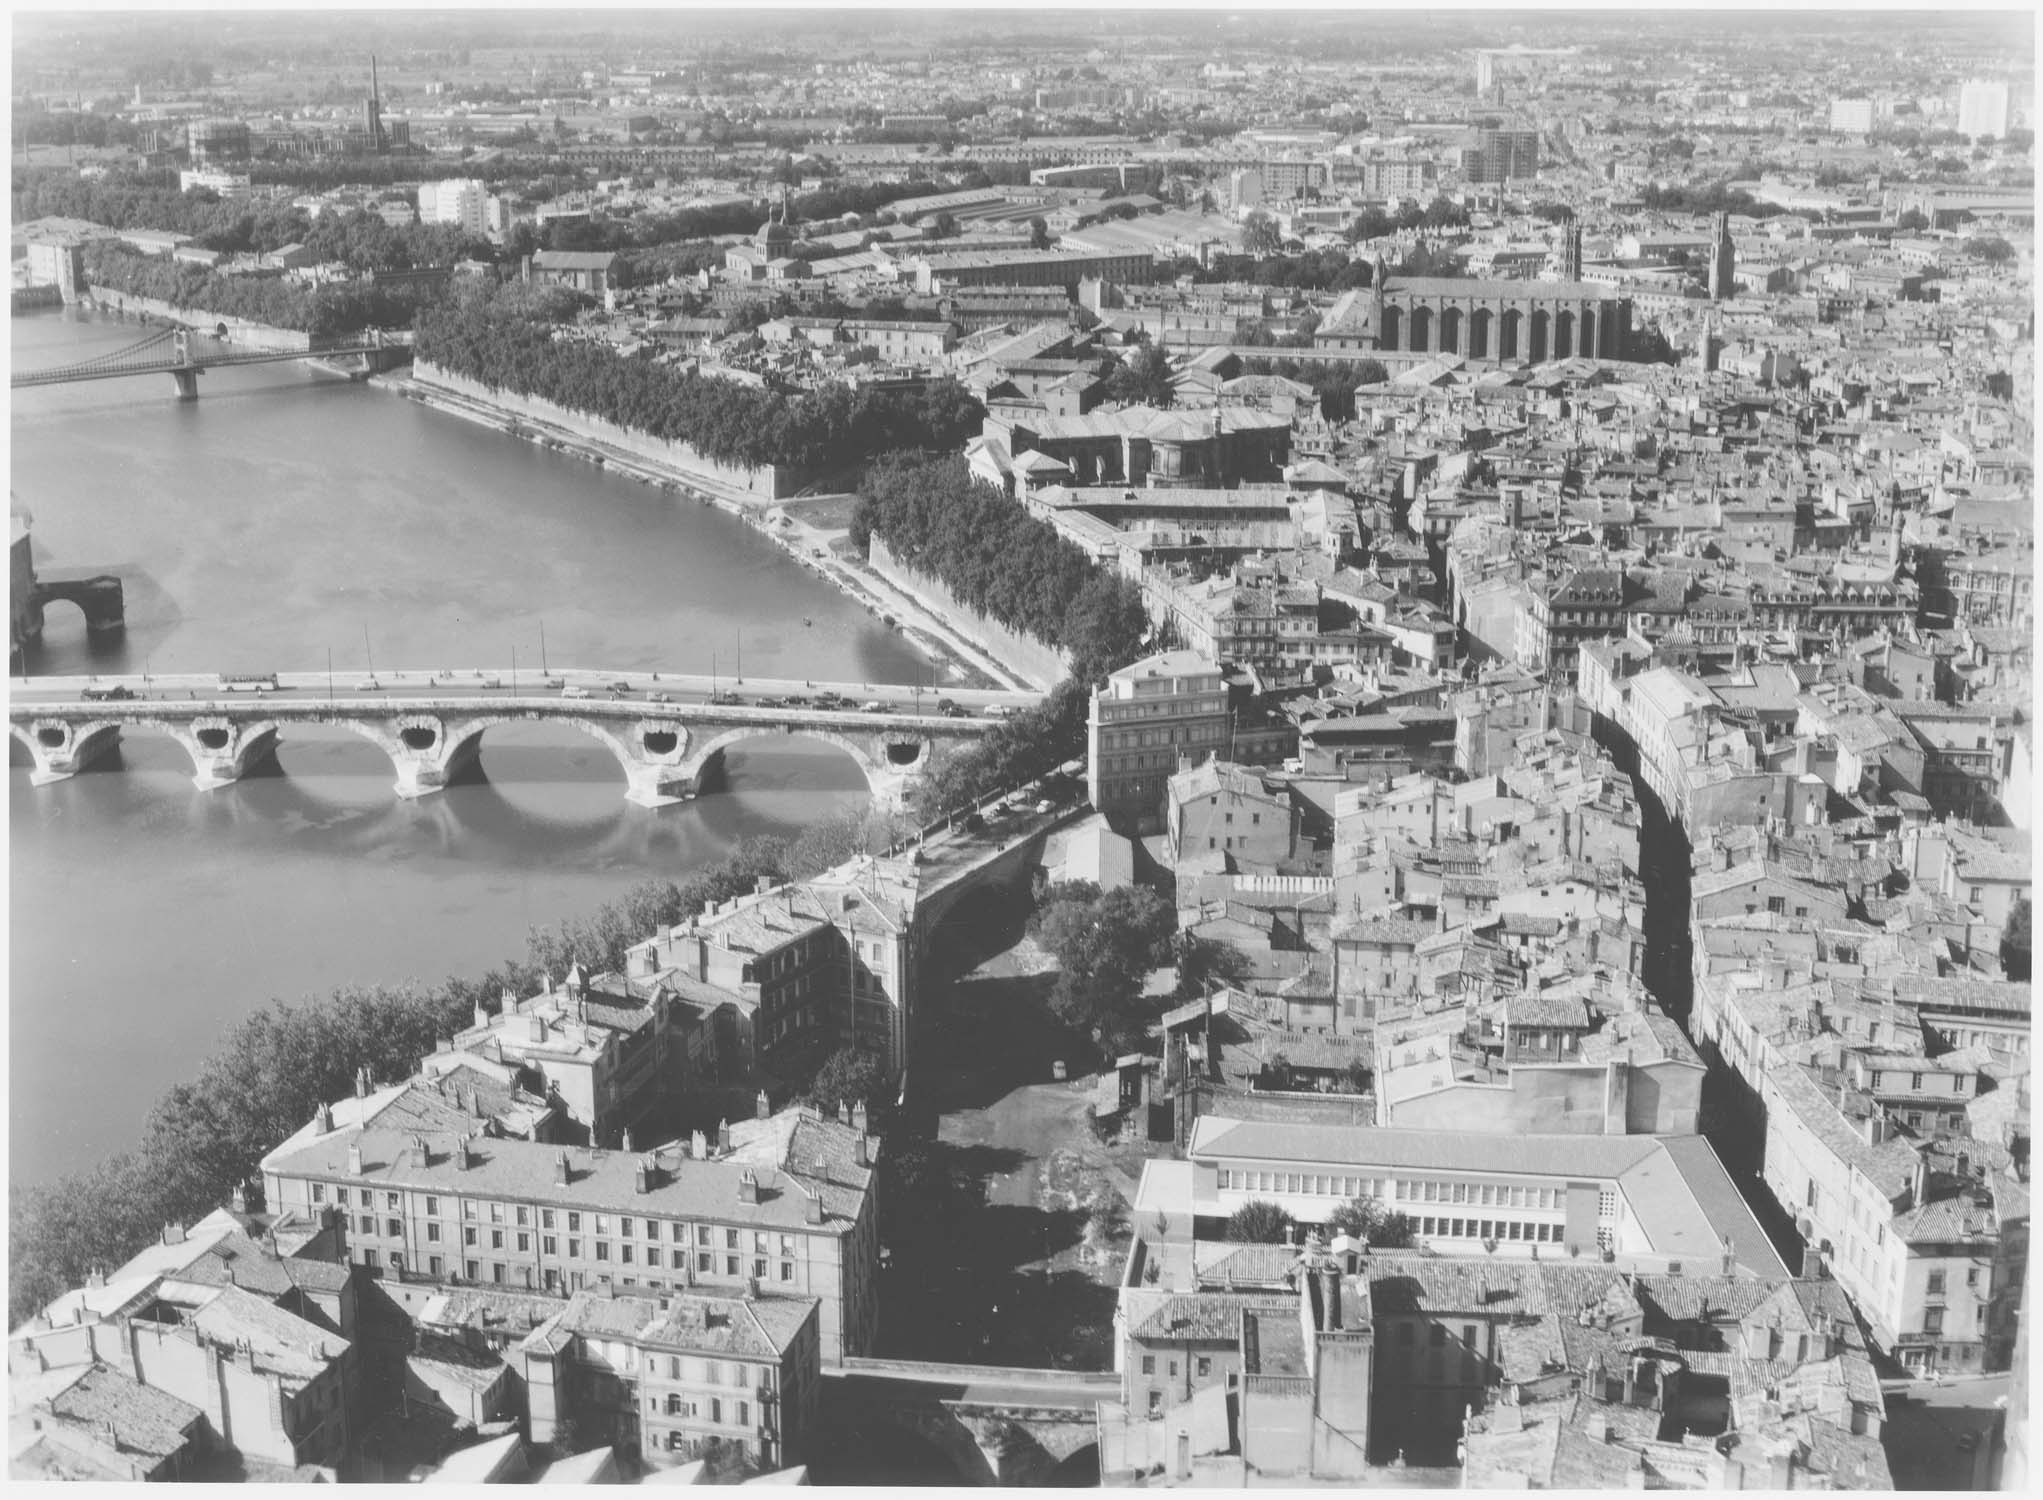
column 222, row 751
column 187, row 382
column 427, row 757
column 61, row 750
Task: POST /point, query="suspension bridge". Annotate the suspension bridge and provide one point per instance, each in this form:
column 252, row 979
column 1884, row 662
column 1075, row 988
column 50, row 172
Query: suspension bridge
column 184, row 355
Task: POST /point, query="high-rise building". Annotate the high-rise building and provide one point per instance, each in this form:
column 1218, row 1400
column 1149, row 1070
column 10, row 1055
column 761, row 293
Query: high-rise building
column 215, row 141
column 1501, row 154
column 1983, row 108
column 1852, row 116
column 456, row 200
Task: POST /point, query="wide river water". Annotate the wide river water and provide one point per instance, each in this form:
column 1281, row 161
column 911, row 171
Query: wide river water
column 286, row 515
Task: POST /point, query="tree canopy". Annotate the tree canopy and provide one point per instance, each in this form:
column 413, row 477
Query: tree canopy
column 1366, row 1219
column 1105, row 945
column 1260, row 1222
column 1143, row 378
column 997, row 558
column 483, row 336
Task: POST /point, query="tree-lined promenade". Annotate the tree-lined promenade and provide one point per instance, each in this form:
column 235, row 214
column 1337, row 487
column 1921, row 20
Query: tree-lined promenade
column 504, row 338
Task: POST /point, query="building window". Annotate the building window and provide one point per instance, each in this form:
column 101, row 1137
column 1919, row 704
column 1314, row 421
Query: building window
column 548, row 1245
column 1149, row 1364
column 602, row 1250
column 1204, row 1366
column 1932, row 1318
column 394, row 1228
column 433, row 1233
column 574, row 1249
column 1935, row 1288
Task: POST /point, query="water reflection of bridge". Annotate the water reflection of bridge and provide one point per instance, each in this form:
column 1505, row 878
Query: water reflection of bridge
column 185, row 355
column 664, row 747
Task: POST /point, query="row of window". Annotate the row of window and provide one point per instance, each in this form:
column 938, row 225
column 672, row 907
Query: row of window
column 712, row 1409
column 705, row 1236
column 710, row 1372
column 1406, row 1190
column 1530, row 1231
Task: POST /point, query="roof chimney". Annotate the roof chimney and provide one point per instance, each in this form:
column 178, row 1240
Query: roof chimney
column 723, row 1137
column 538, row 1029
column 698, row 1146
column 355, row 1159
column 625, row 1143
column 764, row 1107
column 748, row 1188
column 322, row 1119
column 844, row 1111
column 562, row 1172
column 641, row 1176
column 858, row 1151
column 751, row 1288
column 421, row 1153
column 362, row 1082
column 463, row 1157
column 814, row 1210
column 858, row 1117
column 481, row 1014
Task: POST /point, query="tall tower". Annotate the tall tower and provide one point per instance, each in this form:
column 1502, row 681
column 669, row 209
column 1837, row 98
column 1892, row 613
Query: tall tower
column 372, row 111
column 1571, row 252
column 1723, row 258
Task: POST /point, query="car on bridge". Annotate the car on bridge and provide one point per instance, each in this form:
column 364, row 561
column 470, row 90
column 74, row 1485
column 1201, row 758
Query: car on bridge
column 574, row 692
column 117, row 692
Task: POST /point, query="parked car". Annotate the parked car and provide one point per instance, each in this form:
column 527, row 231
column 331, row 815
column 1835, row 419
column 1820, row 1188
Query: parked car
column 658, row 698
column 116, row 692
column 574, row 692
column 874, row 706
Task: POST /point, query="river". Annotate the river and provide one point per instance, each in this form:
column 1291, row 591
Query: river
column 286, row 515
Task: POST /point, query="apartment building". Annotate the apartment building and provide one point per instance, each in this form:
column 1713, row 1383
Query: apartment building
column 678, row 1378
column 1147, row 719
column 785, row 1200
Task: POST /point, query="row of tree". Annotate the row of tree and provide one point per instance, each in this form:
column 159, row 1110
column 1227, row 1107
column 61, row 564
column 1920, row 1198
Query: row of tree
column 1335, row 384
column 480, row 334
column 998, row 559
column 362, row 240
column 206, row 1137
column 323, row 312
column 1261, row 1222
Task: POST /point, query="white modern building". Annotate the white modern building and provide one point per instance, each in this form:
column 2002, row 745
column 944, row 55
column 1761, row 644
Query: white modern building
column 457, row 200
column 1983, row 108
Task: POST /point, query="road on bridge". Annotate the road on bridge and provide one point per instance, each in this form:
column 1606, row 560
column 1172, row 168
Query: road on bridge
column 568, row 682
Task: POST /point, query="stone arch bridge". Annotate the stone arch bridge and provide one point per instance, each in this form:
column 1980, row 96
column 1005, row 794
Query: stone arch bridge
column 664, row 748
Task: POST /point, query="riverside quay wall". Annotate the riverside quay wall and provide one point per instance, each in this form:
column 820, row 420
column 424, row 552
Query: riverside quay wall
column 1036, row 662
column 768, row 482
column 240, row 330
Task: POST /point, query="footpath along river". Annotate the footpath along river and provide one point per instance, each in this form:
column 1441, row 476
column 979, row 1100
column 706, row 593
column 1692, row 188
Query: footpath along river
column 287, row 514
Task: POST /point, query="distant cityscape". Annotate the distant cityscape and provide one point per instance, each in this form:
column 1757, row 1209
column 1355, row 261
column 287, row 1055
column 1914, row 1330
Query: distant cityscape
column 1477, row 579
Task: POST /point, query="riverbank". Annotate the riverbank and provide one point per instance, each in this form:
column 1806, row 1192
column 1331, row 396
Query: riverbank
column 967, row 663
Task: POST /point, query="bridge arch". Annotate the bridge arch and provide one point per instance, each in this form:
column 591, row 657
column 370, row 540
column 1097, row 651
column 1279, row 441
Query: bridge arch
column 879, row 771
